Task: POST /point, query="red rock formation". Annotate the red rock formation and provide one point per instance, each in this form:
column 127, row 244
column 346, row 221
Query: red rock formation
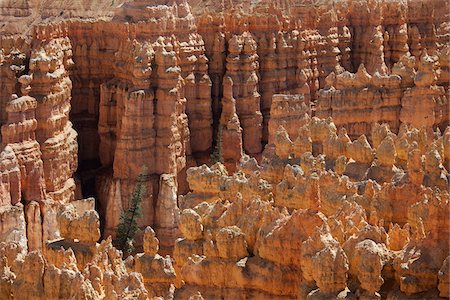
column 370, row 99
column 104, row 277
column 51, row 86
column 230, row 139
column 289, row 111
column 345, row 235
column 13, row 228
column 11, row 181
column 242, row 66
column 167, row 212
column 127, row 136
column 368, row 35
column 13, row 54
column 20, row 133
column 94, row 45
column 298, row 201
column 28, row 185
column 157, row 271
column 430, row 94
column 395, row 32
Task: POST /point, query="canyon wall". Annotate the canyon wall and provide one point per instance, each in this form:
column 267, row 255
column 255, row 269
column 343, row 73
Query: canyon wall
column 356, row 220
column 39, row 146
column 345, row 221
column 288, row 149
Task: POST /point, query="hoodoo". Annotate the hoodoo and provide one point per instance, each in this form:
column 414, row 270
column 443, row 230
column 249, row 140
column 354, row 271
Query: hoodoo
column 289, row 149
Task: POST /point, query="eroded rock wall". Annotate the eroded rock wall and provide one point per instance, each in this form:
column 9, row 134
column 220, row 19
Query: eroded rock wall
column 346, row 220
column 39, row 148
column 287, row 94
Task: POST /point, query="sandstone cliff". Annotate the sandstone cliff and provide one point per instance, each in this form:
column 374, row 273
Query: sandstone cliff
column 289, row 149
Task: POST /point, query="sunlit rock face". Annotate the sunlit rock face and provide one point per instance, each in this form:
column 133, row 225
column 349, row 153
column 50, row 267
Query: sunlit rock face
column 340, row 236
column 287, row 149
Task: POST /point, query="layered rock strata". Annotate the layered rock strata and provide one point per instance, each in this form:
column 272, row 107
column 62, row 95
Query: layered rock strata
column 51, row 86
column 286, row 94
column 242, row 65
column 321, row 220
column 386, row 98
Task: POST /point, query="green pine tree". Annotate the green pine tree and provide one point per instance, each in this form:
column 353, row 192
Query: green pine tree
column 216, row 156
column 128, row 226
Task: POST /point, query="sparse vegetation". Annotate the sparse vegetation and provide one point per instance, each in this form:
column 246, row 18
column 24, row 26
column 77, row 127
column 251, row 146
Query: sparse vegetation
column 128, row 226
column 217, row 156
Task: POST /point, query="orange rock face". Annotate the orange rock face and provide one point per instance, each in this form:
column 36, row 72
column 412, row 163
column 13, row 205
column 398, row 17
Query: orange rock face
column 288, row 149
column 329, row 227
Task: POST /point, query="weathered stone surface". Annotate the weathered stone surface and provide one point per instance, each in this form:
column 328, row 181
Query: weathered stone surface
column 80, row 225
column 242, row 65
column 19, row 132
column 167, row 212
column 427, row 113
column 230, row 142
column 331, row 277
column 443, row 278
column 347, row 206
column 10, row 186
column 13, row 226
column 289, row 111
column 51, row 86
column 157, row 272
column 254, row 127
column 62, row 279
